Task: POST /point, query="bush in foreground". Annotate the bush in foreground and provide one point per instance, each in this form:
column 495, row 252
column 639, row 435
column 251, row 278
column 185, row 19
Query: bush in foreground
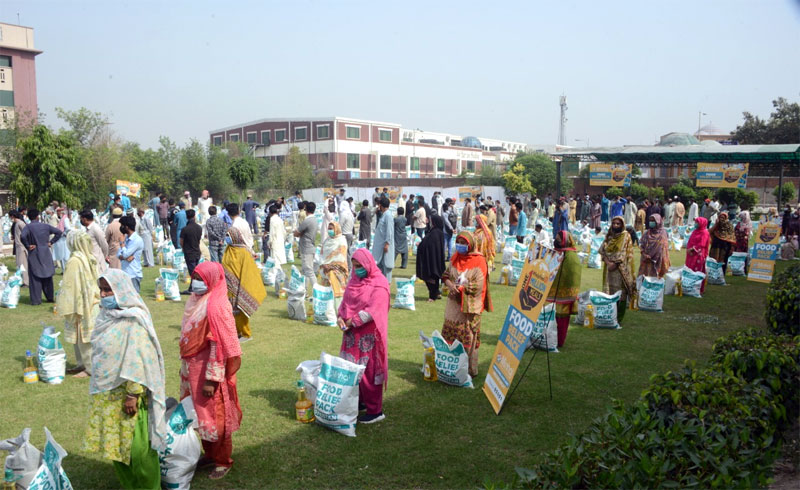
column 783, row 302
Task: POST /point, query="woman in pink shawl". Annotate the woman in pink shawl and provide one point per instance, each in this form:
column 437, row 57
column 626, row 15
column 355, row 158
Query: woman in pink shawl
column 697, row 248
column 210, row 357
column 654, row 245
column 363, row 317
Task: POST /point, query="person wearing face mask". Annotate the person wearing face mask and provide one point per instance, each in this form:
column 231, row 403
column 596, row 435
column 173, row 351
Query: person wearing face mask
column 566, row 285
column 617, row 254
column 128, row 403
column 430, row 257
column 210, row 358
column 130, row 253
column 723, row 237
column 328, row 217
column 363, row 318
column 654, row 246
column 697, row 248
column 333, row 269
column 467, row 279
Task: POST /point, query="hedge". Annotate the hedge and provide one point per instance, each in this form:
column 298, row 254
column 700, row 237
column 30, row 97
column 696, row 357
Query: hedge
column 783, row 302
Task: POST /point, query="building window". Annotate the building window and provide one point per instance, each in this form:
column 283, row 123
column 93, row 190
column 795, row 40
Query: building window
column 5, row 61
column 413, row 175
column 265, row 138
column 301, row 134
column 354, row 132
column 385, row 135
column 386, row 162
column 470, row 166
column 323, row 132
column 234, row 137
column 440, row 165
column 217, row 140
column 355, row 175
column 354, row 160
column 280, row 135
column 414, row 164
column 386, row 175
column 251, row 138
column 6, row 98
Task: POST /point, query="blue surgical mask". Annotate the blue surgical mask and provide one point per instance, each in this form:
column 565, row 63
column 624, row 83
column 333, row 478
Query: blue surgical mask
column 109, row 302
column 199, row 287
column 361, row 272
column 652, row 224
column 331, row 233
column 462, row 249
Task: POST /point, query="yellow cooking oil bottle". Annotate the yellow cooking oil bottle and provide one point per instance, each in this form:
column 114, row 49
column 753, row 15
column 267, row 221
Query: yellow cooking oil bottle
column 588, row 318
column 303, row 408
column 429, row 369
column 9, row 481
column 30, row 375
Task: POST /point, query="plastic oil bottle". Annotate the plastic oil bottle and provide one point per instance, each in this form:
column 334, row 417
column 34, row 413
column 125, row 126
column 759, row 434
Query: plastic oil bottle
column 303, row 408
column 429, row 369
column 588, row 318
column 30, row 375
column 9, row 480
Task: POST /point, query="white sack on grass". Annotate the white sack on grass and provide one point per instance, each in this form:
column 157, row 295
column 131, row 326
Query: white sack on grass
column 508, row 255
column 691, row 282
column 583, row 300
column 545, row 330
column 516, row 271
column 289, row 252
column 651, row 293
column 309, row 373
column 714, row 272
column 737, row 263
column 269, row 272
column 296, row 304
column 169, row 281
column 324, row 310
column 52, row 357
column 605, row 309
column 297, row 281
column 10, row 296
column 595, row 259
column 452, row 360
column 280, row 279
column 336, row 394
column 404, row 299
column 520, row 250
column 50, row 475
column 671, row 280
column 183, row 450
column 23, row 458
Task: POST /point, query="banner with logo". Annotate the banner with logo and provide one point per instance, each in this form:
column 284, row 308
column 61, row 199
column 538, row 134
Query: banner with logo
column 526, row 304
column 731, row 175
column 132, row 188
column 471, row 192
column 765, row 252
column 610, row 174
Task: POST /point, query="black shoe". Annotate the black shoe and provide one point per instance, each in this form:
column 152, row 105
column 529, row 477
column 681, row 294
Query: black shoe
column 370, row 418
column 186, row 292
column 362, row 407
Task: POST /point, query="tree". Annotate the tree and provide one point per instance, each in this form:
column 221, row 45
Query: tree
column 515, row 181
column 218, row 182
column 745, row 199
column 243, row 171
column 85, row 127
column 487, row 175
column 788, row 192
column 614, row 192
column 297, row 173
column 541, row 171
column 193, row 169
column 48, row 170
column 639, row 192
column 684, row 192
column 782, row 127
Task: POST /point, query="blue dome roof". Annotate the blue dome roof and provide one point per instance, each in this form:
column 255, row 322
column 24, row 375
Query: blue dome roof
column 471, row 142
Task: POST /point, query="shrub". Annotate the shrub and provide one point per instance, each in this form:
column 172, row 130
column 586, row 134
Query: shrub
column 614, row 192
column 704, row 193
column 788, row 192
column 684, row 192
column 745, row 199
column 783, row 302
column 639, row 192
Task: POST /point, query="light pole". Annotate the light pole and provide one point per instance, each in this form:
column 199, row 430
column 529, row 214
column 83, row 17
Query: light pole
column 700, row 115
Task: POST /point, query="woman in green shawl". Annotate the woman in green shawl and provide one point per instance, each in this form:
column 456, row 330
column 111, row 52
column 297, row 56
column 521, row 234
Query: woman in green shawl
column 566, row 285
column 78, row 299
column 617, row 253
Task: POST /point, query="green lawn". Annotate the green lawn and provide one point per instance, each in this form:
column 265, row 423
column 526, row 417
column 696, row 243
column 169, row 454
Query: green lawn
column 434, row 435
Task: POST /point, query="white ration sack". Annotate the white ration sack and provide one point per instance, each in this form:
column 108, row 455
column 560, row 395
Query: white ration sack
column 309, row 373
column 336, row 397
column 595, row 259
column 452, row 360
column 324, row 310
column 10, row 295
column 297, row 281
column 520, row 250
column 280, row 278
column 651, row 293
column 605, row 309
column 269, row 272
column 714, row 272
column 178, row 260
column 23, row 458
column 737, row 263
column 404, row 299
column 516, row 271
column 508, row 255
column 52, row 358
column 583, row 300
column 289, row 253
column 179, row 458
column 50, row 475
column 691, row 282
column 417, row 241
column 296, row 304
column 169, row 281
column 545, row 331
column 671, row 280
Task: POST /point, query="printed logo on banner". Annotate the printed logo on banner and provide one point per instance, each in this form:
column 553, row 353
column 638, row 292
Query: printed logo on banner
column 610, row 174
column 764, row 253
column 729, row 175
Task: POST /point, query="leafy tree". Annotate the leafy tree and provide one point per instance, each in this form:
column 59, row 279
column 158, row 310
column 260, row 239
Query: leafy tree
column 516, row 182
column 86, row 127
column 639, row 192
column 614, row 192
column 745, row 199
column 541, row 171
column 218, row 182
column 788, row 192
column 656, row 193
column 297, row 173
column 243, row 171
column 783, row 125
column 487, row 175
column 704, row 193
column 48, row 169
column 322, row 179
column 194, row 167
column 684, row 192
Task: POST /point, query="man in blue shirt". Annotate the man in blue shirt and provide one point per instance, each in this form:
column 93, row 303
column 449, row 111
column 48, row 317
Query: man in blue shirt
column 153, row 203
column 522, row 223
column 249, row 208
column 180, row 222
column 383, row 245
column 130, row 253
column 126, row 201
column 618, row 206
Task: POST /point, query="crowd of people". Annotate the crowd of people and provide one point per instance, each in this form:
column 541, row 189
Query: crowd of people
column 112, row 331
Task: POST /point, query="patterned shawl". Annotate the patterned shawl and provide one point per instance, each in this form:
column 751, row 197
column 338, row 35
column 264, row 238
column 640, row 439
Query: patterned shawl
column 245, row 288
column 655, row 243
column 484, row 239
column 334, row 259
column 723, row 229
column 79, row 292
column 567, row 282
column 618, row 248
column 473, row 259
column 125, row 348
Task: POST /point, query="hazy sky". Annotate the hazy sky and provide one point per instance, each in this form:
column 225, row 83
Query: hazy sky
column 631, row 70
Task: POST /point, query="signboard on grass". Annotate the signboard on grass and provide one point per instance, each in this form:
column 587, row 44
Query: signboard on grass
column 764, row 252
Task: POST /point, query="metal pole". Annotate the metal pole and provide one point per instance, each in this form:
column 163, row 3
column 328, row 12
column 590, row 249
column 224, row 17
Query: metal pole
column 558, row 179
column 780, row 188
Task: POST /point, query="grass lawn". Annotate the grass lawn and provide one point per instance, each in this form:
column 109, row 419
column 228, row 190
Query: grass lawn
column 434, row 435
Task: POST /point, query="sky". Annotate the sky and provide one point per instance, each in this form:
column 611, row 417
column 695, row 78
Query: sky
column 631, row 70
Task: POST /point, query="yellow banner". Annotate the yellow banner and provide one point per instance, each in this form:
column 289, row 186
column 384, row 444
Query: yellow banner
column 520, row 323
column 764, row 253
column 610, row 174
column 132, row 188
column 731, row 175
